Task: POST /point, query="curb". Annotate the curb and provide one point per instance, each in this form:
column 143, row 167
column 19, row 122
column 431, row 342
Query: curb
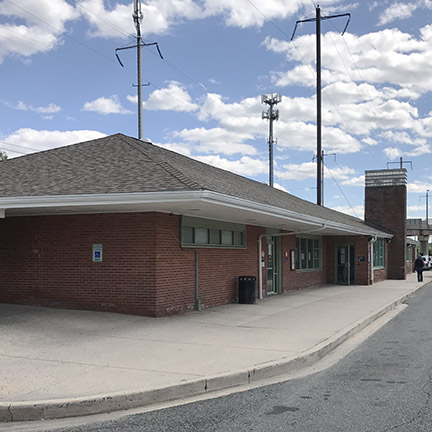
column 98, row 404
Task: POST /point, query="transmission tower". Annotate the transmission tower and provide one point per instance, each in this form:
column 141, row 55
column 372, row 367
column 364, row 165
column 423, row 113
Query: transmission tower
column 318, row 18
column 271, row 114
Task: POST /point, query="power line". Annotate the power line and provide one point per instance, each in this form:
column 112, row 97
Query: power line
column 115, row 27
column 341, row 191
column 65, row 34
column 16, row 145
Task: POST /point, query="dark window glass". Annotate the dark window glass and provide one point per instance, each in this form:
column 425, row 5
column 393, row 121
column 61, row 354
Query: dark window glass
column 215, row 237
column 188, row 235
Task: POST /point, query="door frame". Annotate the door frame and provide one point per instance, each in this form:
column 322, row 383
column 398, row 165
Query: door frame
column 350, row 247
column 277, row 264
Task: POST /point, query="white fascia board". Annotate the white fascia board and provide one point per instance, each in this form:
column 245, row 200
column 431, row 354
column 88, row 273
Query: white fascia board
column 265, row 209
column 55, row 201
column 107, row 200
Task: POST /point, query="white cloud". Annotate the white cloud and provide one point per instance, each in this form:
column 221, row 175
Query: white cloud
column 176, row 147
column 392, row 152
column 355, row 181
column 402, row 10
column 243, row 166
column 388, row 56
column 280, row 187
column 34, row 26
column 158, row 16
column 419, row 187
column 356, row 211
column 38, row 140
column 172, row 98
column 217, row 140
column 309, row 169
column 21, row 106
column 106, row 105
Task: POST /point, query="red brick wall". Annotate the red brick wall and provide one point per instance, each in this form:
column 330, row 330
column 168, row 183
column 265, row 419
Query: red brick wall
column 47, row 261
column 218, row 269
column 361, row 249
column 385, row 209
column 294, row 279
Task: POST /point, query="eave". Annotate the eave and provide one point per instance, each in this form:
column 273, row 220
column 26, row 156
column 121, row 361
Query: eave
column 201, row 203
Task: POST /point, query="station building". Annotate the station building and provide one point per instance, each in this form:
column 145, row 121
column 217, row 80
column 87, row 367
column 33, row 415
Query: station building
column 121, row 225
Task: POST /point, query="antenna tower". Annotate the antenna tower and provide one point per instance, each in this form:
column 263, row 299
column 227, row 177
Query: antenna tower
column 271, row 115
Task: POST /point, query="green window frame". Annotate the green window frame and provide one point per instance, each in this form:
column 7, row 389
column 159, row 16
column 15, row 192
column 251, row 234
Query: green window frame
column 208, row 233
column 408, row 253
column 308, row 253
column 379, row 253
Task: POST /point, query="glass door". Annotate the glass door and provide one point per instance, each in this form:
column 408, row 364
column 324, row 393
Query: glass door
column 273, row 264
column 345, row 264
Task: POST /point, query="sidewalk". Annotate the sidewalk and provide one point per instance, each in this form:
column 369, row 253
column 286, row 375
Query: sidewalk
column 60, row 363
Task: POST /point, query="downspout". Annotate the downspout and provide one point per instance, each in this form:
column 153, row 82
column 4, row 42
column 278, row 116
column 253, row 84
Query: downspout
column 197, row 303
column 372, row 241
column 260, row 279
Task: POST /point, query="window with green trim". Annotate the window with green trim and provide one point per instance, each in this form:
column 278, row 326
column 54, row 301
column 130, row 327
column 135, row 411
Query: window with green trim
column 308, row 253
column 379, row 253
column 208, row 233
column 409, row 253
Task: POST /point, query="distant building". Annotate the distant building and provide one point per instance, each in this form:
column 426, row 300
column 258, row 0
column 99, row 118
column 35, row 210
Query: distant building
column 118, row 224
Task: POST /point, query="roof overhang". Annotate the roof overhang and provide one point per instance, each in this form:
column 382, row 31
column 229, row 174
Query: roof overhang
column 204, row 204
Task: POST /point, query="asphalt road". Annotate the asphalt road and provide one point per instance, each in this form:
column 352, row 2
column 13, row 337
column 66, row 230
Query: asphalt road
column 384, row 384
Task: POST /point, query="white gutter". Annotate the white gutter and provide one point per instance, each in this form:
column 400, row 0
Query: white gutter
column 260, row 279
column 84, row 202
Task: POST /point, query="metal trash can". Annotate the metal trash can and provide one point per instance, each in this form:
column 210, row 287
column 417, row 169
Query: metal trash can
column 247, row 289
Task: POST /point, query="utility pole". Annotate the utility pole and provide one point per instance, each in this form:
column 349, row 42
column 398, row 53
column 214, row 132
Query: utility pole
column 271, row 115
column 427, row 206
column 323, row 154
column 137, row 18
column 318, row 18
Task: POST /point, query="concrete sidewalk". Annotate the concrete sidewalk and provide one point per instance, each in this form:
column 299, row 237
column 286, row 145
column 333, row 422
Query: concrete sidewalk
column 60, row 363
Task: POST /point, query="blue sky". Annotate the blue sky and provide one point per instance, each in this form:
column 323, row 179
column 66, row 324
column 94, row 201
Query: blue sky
column 61, row 84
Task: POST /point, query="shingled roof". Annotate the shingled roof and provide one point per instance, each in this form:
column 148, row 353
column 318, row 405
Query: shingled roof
column 120, row 164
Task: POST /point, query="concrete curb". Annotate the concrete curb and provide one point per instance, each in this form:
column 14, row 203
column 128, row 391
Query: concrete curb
column 62, row 408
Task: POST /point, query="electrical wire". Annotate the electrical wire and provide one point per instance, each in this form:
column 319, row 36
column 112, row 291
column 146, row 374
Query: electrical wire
column 18, row 146
column 340, row 189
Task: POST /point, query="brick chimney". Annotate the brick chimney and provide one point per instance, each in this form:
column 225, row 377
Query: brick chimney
column 386, row 209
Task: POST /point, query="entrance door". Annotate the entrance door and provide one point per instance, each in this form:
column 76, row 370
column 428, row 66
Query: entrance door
column 273, row 264
column 345, row 264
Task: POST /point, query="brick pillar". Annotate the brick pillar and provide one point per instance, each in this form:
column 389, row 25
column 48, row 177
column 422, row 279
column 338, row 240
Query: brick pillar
column 385, row 209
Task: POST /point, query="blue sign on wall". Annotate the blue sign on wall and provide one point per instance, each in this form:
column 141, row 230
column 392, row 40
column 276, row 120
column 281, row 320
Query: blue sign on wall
column 97, row 253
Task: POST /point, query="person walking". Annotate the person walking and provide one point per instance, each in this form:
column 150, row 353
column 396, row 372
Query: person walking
column 419, row 264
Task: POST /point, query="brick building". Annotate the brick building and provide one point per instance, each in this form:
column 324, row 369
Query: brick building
column 118, row 224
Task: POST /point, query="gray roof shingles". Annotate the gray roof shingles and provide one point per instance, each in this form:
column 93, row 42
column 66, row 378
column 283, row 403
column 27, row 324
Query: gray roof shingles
column 121, row 164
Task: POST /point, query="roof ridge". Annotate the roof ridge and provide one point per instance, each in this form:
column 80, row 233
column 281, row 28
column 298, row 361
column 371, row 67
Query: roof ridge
column 163, row 164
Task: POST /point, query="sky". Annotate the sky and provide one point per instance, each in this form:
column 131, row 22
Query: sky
column 61, row 83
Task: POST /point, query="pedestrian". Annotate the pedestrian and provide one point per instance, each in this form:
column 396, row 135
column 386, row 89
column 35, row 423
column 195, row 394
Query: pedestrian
column 419, row 264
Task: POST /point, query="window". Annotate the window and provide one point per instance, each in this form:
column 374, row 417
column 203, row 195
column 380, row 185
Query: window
column 308, row 253
column 409, row 253
column 378, row 253
column 209, row 233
